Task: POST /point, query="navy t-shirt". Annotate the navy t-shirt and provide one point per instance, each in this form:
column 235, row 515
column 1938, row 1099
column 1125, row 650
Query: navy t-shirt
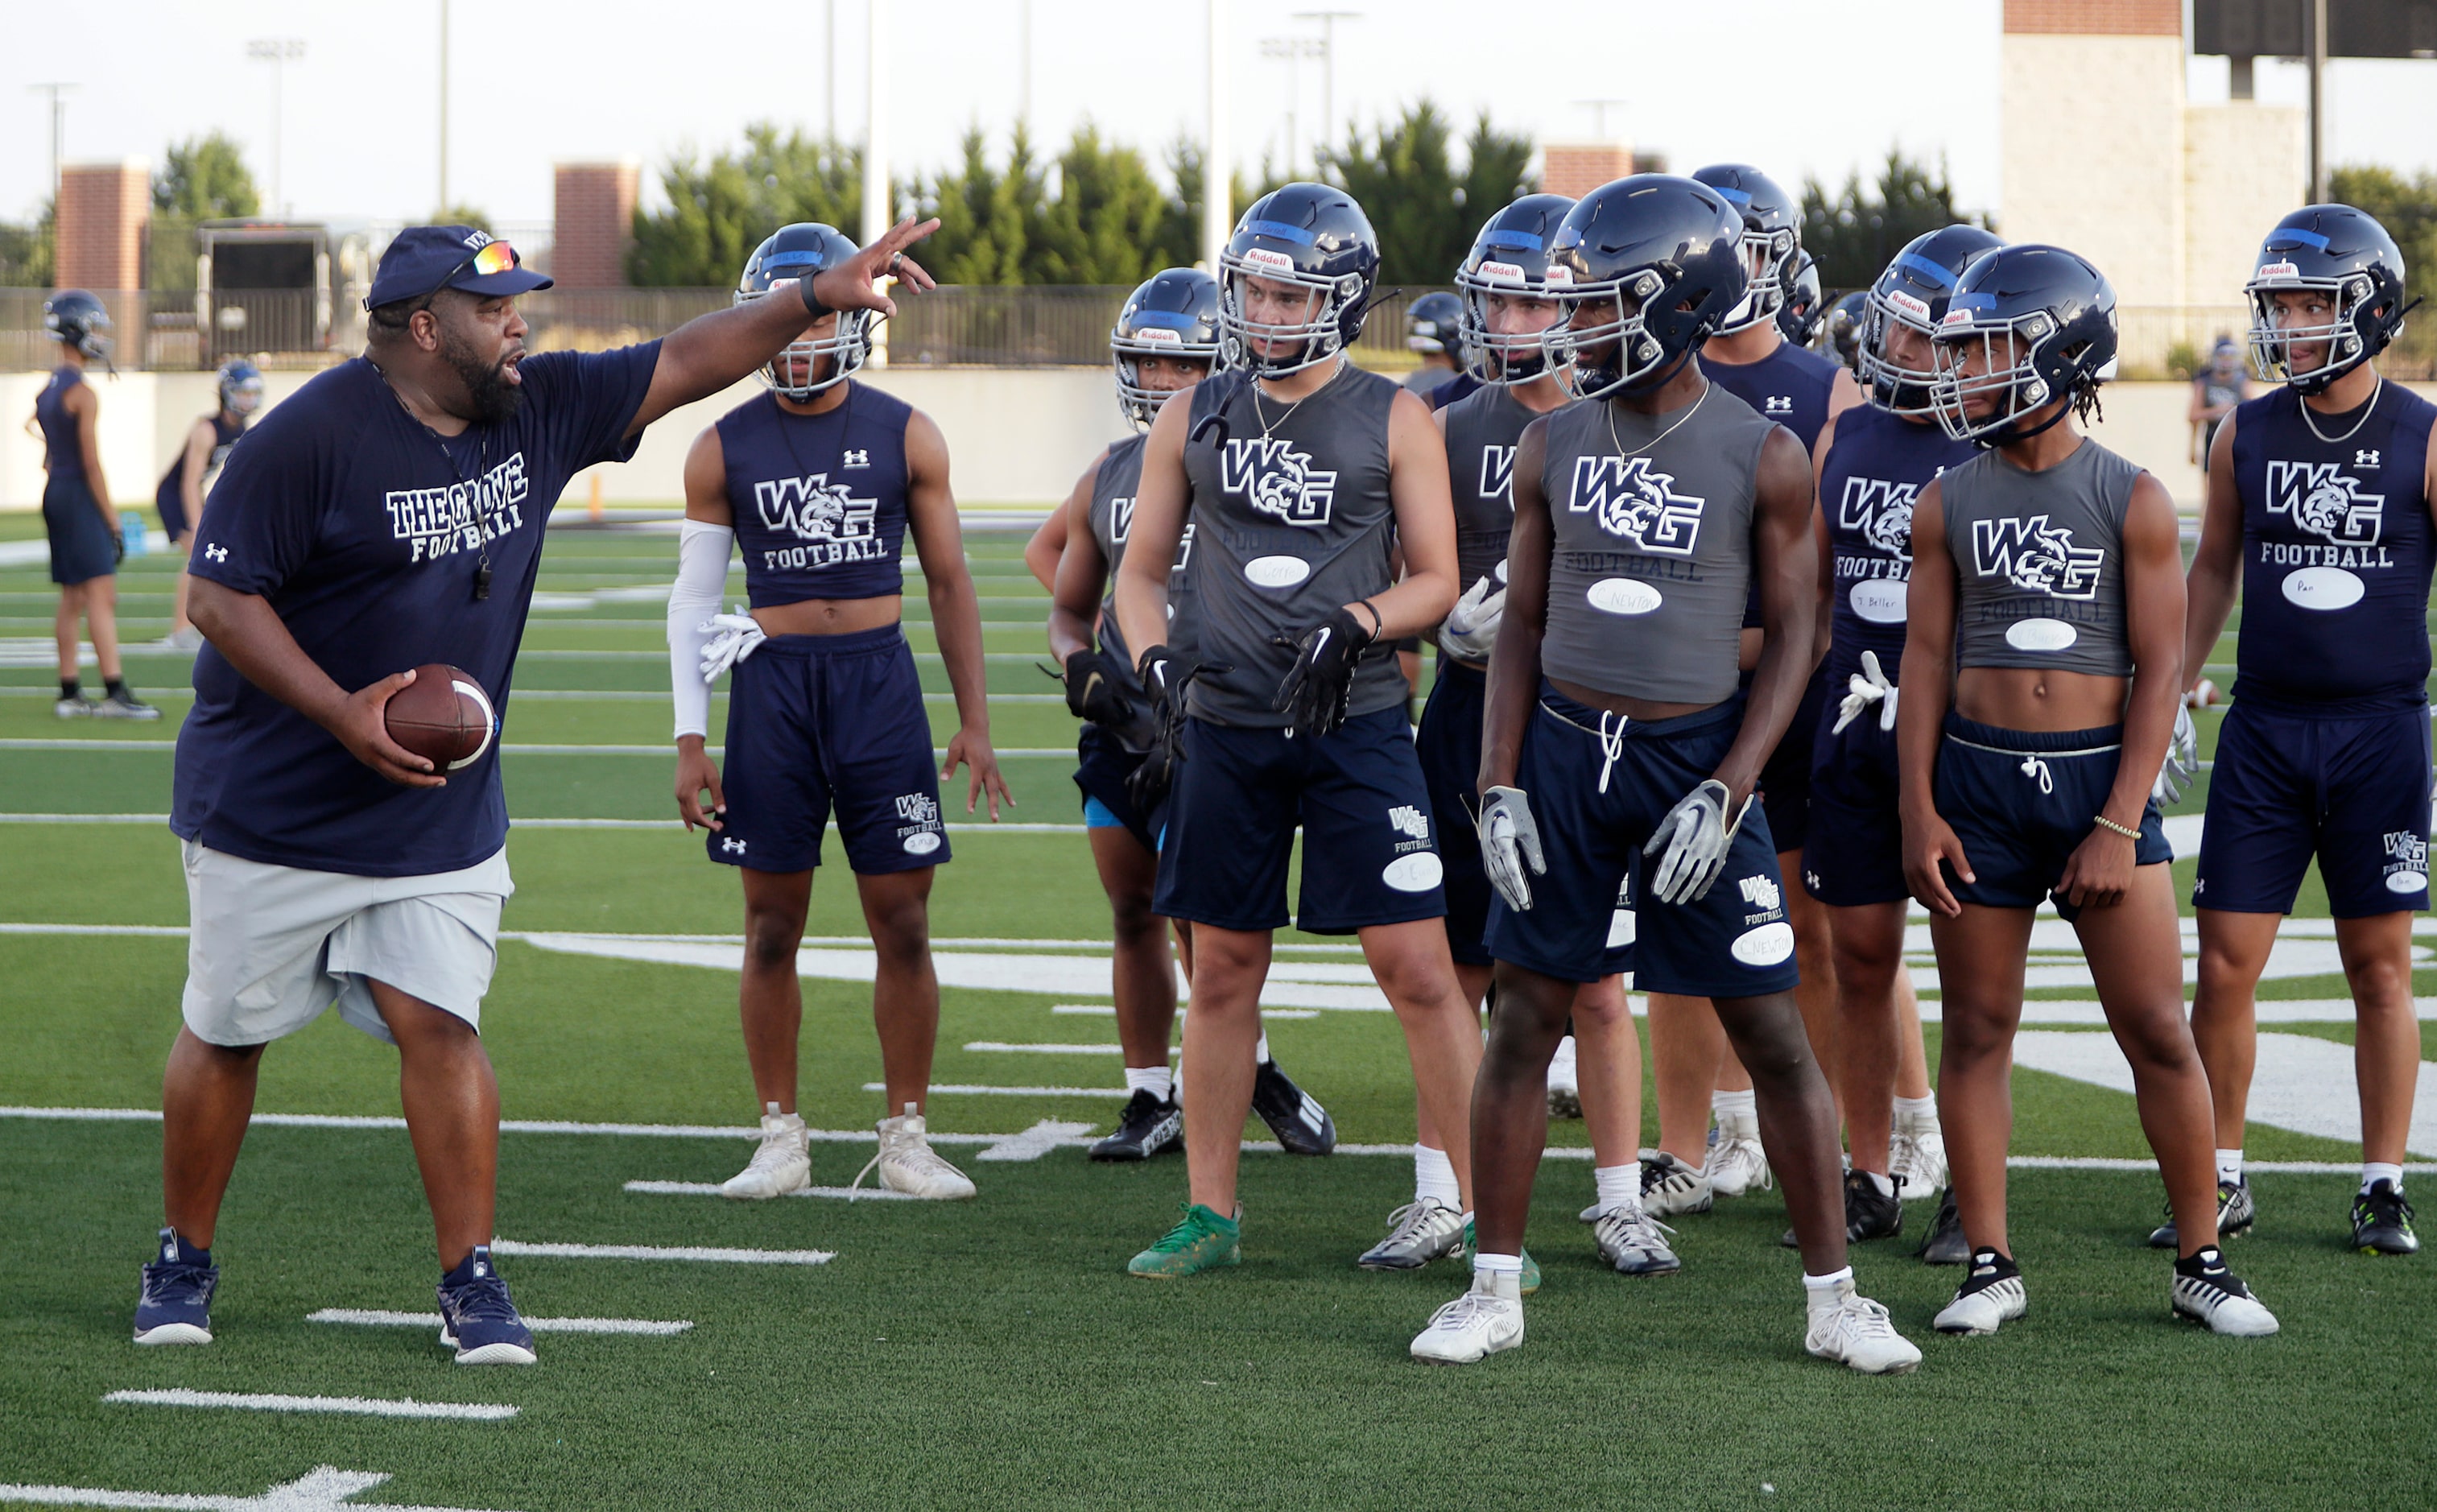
column 364, row 530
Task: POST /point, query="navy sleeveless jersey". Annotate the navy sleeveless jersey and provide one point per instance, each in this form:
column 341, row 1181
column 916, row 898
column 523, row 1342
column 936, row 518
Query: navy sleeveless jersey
column 818, row 500
column 225, row 434
column 1877, row 464
column 1791, row 386
column 63, row 455
column 2335, row 552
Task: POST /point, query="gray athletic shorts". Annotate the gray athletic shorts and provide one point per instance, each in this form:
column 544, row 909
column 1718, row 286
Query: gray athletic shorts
column 270, row 947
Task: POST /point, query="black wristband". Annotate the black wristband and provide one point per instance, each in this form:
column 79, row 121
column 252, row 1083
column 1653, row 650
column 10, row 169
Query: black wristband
column 813, row 309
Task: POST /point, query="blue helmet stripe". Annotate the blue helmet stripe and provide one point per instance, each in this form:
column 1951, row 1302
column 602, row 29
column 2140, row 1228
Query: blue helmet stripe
column 1938, row 275
column 2299, row 234
column 1168, row 319
column 1737, row 198
column 1520, row 240
column 1282, row 231
column 792, row 259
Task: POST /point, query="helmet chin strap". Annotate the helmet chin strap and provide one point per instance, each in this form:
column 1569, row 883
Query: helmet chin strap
column 2009, row 434
column 1652, row 385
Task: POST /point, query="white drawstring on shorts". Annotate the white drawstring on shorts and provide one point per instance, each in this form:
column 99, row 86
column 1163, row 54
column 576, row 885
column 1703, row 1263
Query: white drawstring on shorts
column 2038, row 770
column 1611, row 743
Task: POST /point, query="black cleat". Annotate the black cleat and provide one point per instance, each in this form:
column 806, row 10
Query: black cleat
column 1294, row 1116
column 2383, row 1222
column 1946, row 1244
column 1867, row 1214
column 1144, row 1128
column 2236, row 1212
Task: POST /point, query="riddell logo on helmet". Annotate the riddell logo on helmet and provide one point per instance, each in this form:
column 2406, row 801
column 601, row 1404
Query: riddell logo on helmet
column 1507, row 271
column 1957, row 317
column 2279, row 269
column 1156, row 336
column 1911, row 305
column 1264, row 258
column 1558, row 273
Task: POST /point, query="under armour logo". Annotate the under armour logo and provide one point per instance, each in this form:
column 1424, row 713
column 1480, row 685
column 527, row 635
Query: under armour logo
column 857, row 459
column 1777, row 404
column 216, row 554
column 2365, row 459
column 732, row 846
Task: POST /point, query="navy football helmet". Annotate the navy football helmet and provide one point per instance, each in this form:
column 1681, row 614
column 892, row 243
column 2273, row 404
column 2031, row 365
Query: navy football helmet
column 1510, row 255
column 1173, row 313
column 1657, row 261
column 1840, row 334
column 2041, row 323
column 1433, row 325
column 240, row 387
column 791, row 252
column 75, row 318
column 2335, row 250
column 1772, row 235
column 1318, row 240
column 1799, row 315
column 1913, row 292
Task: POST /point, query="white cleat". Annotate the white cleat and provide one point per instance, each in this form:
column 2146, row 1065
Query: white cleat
column 1918, row 1156
column 1736, row 1163
column 1669, row 1187
column 1478, row 1323
column 1984, row 1303
column 2217, row 1298
column 1856, row 1331
column 781, row 1163
column 1565, row 1083
column 908, row 1164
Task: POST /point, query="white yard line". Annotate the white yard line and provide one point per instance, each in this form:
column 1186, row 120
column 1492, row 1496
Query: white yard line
column 382, row 1318
column 977, row 827
column 966, row 1089
column 711, row 1188
column 354, row 1406
column 1009, row 1047
column 322, row 1489
column 2301, row 1082
column 691, row 1254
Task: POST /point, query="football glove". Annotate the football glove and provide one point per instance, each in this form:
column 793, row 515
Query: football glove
column 1692, row 843
column 1510, row 840
column 733, row 639
column 2183, row 760
column 1471, row 626
column 1091, row 692
column 1871, row 686
column 1316, row 691
column 1165, row 676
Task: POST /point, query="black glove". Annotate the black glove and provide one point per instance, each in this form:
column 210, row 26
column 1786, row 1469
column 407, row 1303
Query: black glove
column 1091, row 692
column 1319, row 685
column 1165, row 676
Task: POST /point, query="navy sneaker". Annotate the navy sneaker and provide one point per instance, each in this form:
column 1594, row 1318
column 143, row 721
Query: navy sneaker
column 1294, row 1116
column 176, row 1303
column 476, row 1317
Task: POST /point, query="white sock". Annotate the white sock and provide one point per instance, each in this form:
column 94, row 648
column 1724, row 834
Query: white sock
column 2229, row 1165
column 2373, row 1171
column 1922, row 1113
column 1885, row 1185
column 1617, row 1186
column 1156, row 1079
column 1434, row 1177
column 1485, row 1263
column 1261, row 1049
column 1735, row 1107
column 1823, row 1290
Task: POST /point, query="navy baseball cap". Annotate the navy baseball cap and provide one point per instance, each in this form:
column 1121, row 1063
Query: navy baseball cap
column 424, row 259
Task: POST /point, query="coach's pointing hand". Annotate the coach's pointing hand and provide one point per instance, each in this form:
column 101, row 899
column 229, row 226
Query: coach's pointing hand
column 854, row 284
column 361, row 725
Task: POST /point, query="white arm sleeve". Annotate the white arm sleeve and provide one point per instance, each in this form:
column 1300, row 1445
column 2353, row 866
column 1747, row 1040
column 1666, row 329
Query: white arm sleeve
column 693, row 598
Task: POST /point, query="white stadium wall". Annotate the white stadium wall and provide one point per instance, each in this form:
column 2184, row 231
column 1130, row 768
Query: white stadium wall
column 2092, row 155
column 2245, row 166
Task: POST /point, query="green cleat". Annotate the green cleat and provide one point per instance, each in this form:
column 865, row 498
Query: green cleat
column 1531, row 1266
column 1201, row 1240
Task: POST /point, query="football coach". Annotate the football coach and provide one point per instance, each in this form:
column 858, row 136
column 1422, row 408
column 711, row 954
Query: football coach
column 389, row 516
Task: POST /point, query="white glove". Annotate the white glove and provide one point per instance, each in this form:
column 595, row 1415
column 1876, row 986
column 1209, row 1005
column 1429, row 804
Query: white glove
column 2183, row 760
column 1471, row 626
column 1871, row 686
column 1695, row 837
column 733, row 639
column 1509, row 839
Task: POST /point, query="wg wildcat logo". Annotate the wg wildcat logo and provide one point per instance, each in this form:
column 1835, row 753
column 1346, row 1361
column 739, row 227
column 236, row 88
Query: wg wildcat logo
column 1632, row 502
column 1274, row 478
column 1121, row 519
column 2326, row 501
column 2036, row 558
column 1880, row 511
column 1498, row 474
column 813, row 509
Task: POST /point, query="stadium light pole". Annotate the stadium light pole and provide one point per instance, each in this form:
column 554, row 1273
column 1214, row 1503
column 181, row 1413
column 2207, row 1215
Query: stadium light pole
column 1292, row 50
column 2318, row 91
column 59, row 131
column 278, row 52
column 1328, row 20
column 829, row 57
column 443, row 206
column 876, row 218
column 1217, row 182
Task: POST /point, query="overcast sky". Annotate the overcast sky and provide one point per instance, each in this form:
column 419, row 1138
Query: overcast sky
column 1787, row 84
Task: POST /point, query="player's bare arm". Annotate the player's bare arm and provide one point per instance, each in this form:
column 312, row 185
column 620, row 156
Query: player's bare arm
column 1079, row 573
column 201, row 439
column 2099, row 871
column 1785, row 557
column 1921, row 715
column 1515, row 658
column 1162, row 499
column 706, row 491
column 1425, row 506
column 956, row 613
column 709, row 352
column 247, row 630
column 1041, row 552
column 2216, row 575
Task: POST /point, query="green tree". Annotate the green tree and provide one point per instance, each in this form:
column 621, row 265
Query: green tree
column 204, row 179
column 464, row 215
column 986, row 215
column 1856, row 232
column 1404, row 179
column 721, row 208
column 2406, row 207
column 1110, row 222
column 26, row 252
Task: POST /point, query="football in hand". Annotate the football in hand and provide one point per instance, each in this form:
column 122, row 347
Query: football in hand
column 444, row 716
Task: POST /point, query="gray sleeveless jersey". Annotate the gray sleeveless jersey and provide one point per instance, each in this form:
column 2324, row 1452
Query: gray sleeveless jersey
column 2038, row 561
column 1111, row 521
column 1481, row 430
column 1652, row 551
column 1289, row 524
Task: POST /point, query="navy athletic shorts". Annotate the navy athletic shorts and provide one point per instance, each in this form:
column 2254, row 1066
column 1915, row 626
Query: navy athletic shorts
column 2022, row 800
column 1785, row 776
column 2351, row 788
column 82, row 544
column 816, row 722
column 1854, row 854
column 1370, row 852
column 1102, row 764
column 1597, row 795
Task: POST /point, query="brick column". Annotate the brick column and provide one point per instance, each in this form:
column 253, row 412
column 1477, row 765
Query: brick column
column 104, row 210
column 1575, row 168
column 596, row 220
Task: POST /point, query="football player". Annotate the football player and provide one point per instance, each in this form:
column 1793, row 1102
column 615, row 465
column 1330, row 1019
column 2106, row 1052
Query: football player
column 1434, row 329
column 1165, row 339
column 180, row 497
column 1301, row 473
column 85, row 533
column 2319, row 499
column 817, row 484
column 2042, row 662
column 1617, row 741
